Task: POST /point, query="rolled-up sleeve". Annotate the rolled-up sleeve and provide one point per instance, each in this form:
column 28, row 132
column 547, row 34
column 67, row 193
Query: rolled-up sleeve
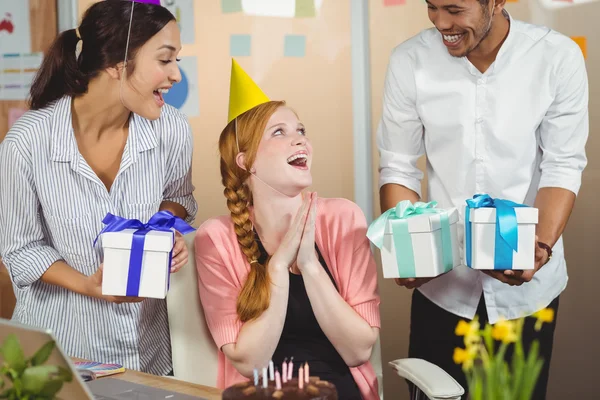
column 400, row 131
column 179, row 188
column 565, row 127
column 23, row 248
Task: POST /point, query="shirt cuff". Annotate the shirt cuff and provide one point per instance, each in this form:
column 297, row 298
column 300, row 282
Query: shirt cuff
column 369, row 312
column 27, row 265
column 190, row 205
column 387, row 175
column 225, row 330
column 566, row 179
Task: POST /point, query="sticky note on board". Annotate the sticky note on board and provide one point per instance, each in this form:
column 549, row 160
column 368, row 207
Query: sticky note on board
column 294, row 46
column 239, row 45
column 231, row 6
column 388, row 3
column 305, row 9
column 582, row 42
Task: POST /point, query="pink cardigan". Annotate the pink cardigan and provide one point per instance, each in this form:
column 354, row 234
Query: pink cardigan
column 222, row 270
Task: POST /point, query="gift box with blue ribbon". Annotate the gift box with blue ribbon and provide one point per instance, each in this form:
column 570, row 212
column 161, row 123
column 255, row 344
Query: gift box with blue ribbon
column 416, row 240
column 137, row 256
column 499, row 234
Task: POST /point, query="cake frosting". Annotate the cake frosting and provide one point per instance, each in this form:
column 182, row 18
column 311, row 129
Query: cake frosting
column 315, row 389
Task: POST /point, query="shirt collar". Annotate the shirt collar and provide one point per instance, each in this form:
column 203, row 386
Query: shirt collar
column 142, row 134
column 500, row 57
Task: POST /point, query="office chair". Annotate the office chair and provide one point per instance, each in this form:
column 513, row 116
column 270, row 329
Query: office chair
column 430, row 381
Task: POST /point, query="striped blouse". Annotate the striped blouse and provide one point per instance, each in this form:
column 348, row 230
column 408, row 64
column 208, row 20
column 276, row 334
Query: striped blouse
column 51, row 208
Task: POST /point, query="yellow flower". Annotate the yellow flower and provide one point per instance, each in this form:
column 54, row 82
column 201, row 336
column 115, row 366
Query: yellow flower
column 504, row 330
column 464, row 357
column 470, row 330
column 465, row 328
column 543, row 315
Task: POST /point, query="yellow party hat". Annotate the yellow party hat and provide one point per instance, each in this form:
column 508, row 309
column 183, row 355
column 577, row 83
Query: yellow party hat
column 244, row 94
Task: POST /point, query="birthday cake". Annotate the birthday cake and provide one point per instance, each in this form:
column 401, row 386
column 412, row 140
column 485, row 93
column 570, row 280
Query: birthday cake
column 275, row 385
column 315, row 389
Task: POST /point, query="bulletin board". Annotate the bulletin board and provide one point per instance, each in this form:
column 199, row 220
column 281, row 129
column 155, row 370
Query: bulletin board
column 43, row 30
column 295, row 50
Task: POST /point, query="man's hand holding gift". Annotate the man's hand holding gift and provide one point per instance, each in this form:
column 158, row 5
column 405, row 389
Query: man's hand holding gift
column 518, row 277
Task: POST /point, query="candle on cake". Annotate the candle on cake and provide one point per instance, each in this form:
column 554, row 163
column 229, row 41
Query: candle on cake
column 300, row 377
column 284, row 371
column 255, row 377
column 277, row 380
column 264, row 377
column 271, row 374
column 290, row 369
column 306, row 373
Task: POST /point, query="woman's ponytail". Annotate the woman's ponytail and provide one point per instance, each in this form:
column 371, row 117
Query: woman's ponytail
column 59, row 74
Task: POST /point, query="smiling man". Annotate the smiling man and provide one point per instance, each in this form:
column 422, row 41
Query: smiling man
column 497, row 106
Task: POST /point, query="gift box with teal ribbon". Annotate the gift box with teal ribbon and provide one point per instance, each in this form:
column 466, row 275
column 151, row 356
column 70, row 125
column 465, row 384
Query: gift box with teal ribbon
column 499, row 234
column 416, row 240
column 137, row 256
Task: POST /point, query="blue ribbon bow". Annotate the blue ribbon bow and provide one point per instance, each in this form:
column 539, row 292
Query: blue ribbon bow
column 507, row 233
column 398, row 216
column 161, row 221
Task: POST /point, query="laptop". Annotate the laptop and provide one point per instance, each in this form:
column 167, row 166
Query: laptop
column 32, row 339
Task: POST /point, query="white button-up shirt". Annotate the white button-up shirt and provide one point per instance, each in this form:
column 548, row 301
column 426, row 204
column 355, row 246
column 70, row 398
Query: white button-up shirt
column 51, row 208
column 520, row 126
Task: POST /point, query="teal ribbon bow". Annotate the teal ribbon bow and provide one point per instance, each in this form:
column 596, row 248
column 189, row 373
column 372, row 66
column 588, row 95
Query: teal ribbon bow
column 398, row 218
column 507, row 232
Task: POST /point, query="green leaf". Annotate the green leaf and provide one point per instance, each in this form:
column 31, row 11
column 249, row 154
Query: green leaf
column 42, row 355
column 489, row 341
column 517, row 375
column 51, row 388
column 18, row 386
column 35, row 378
column 6, row 393
column 64, row 374
column 13, row 354
column 476, row 393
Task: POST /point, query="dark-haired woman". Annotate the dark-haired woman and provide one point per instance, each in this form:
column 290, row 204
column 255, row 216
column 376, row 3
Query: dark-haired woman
column 99, row 138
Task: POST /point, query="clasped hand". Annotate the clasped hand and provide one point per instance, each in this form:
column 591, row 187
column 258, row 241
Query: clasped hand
column 297, row 248
column 180, row 258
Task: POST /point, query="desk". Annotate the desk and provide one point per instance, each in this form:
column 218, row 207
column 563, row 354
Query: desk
column 167, row 383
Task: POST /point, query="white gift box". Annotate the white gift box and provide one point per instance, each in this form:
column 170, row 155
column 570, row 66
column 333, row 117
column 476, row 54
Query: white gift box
column 483, row 238
column 154, row 278
column 426, row 237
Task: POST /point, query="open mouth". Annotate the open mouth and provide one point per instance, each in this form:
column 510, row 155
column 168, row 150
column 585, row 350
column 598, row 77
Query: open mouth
column 158, row 96
column 298, row 160
column 453, row 40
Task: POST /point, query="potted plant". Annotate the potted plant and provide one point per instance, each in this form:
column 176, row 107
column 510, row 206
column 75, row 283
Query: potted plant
column 23, row 378
column 489, row 375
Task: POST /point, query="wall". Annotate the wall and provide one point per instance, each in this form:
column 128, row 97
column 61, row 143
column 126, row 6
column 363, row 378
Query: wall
column 573, row 363
column 42, row 15
column 323, row 75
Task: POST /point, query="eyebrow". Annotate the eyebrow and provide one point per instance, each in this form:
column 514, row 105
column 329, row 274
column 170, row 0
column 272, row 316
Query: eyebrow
column 446, row 6
column 167, row 46
column 281, row 125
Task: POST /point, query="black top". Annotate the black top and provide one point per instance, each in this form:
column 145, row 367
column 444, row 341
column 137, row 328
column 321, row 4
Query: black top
column 303, row 338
